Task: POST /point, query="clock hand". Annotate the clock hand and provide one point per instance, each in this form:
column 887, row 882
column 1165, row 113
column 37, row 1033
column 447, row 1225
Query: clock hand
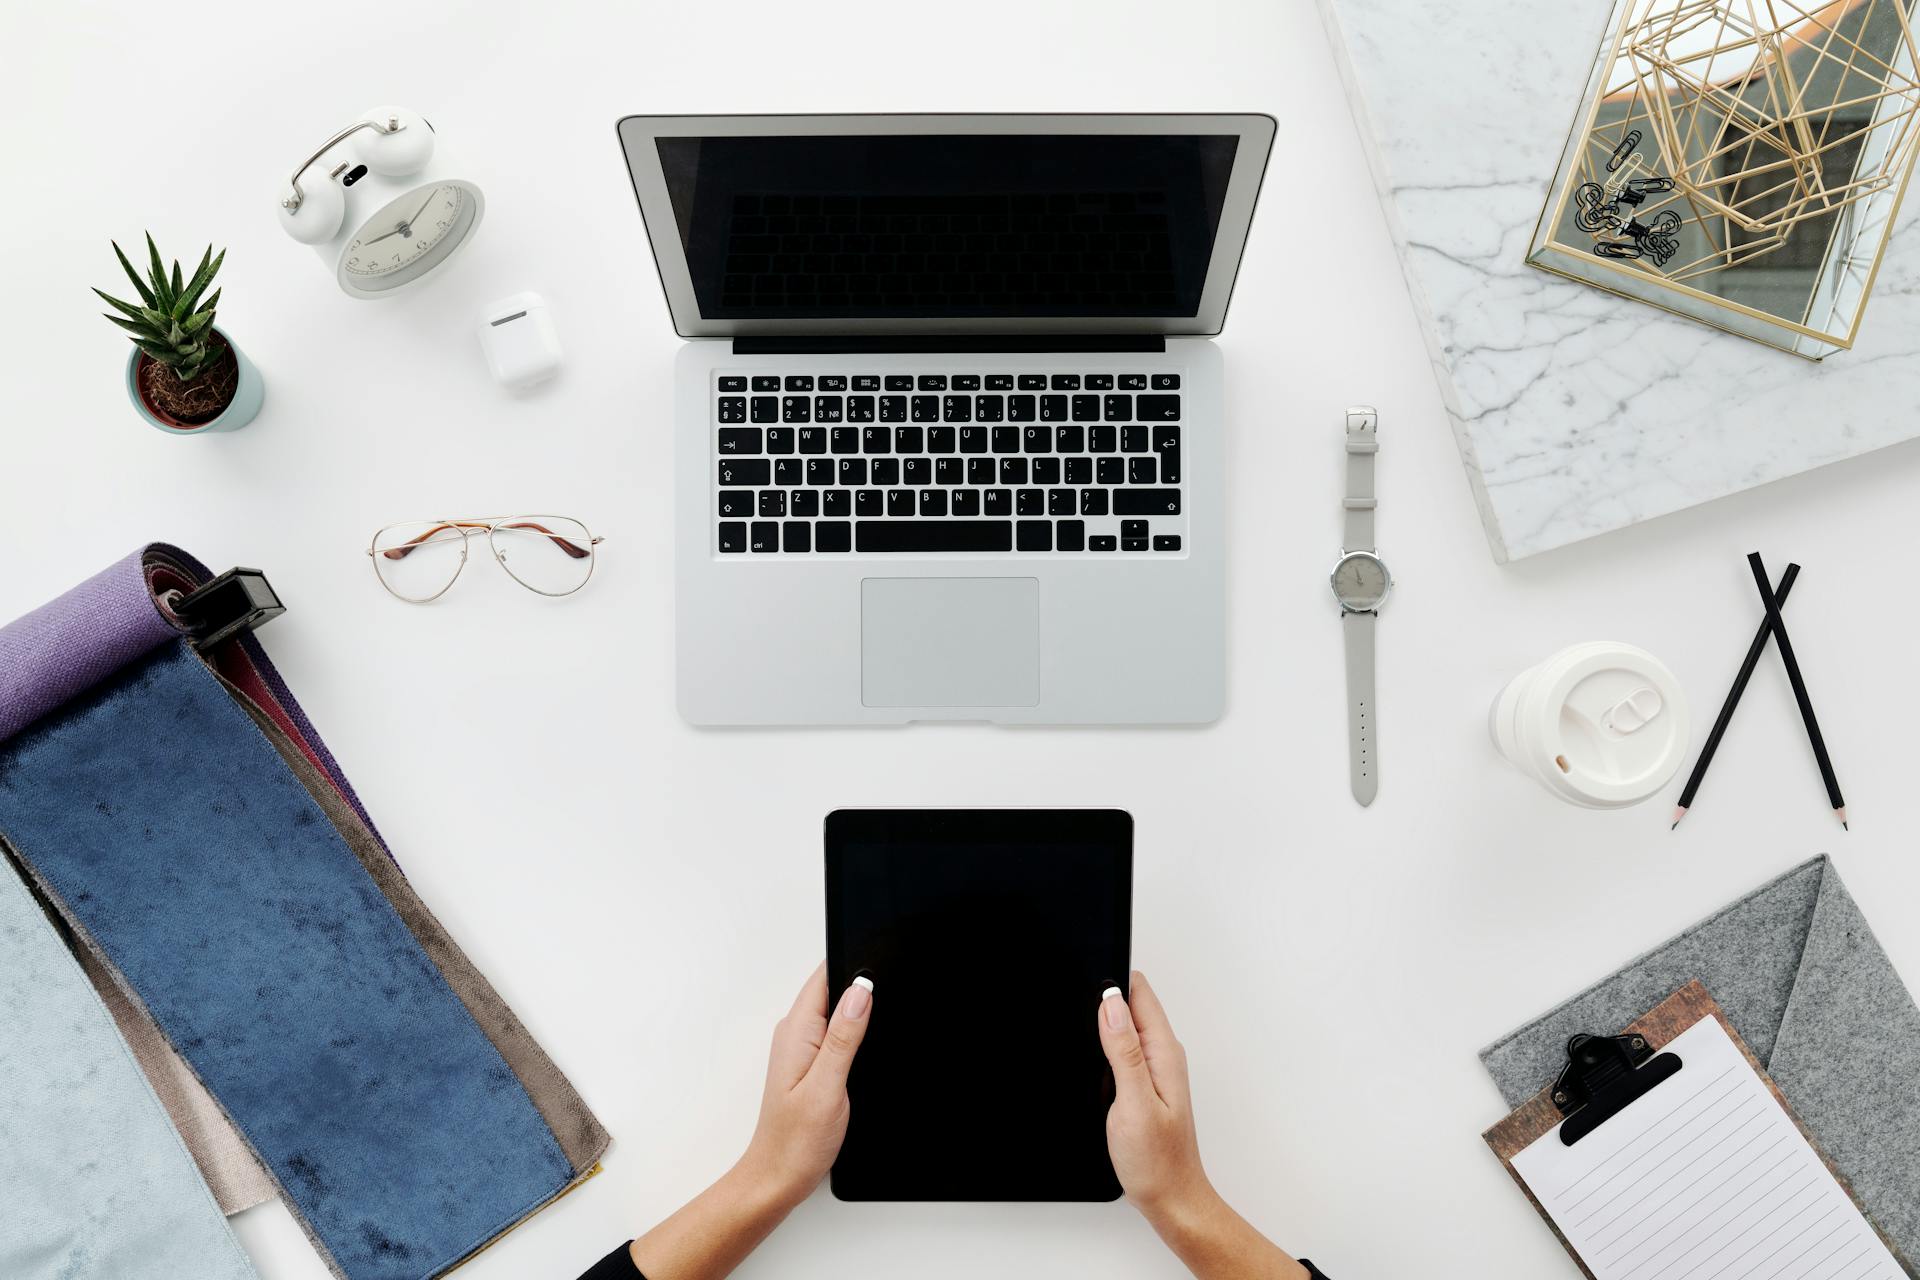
column 377, row 239
column 422, row 209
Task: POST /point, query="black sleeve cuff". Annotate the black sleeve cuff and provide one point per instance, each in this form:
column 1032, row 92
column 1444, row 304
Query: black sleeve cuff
column 618, row 1265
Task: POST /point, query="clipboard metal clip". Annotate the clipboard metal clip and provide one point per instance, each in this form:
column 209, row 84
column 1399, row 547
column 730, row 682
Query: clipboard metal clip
column 1604, row 1075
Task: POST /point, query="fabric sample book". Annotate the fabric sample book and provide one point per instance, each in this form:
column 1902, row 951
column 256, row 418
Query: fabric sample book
column 183, row 820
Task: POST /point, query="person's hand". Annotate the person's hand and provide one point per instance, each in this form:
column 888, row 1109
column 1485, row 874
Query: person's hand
column 803, row 1112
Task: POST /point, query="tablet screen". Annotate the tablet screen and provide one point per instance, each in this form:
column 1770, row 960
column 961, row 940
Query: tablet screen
column 989, row 935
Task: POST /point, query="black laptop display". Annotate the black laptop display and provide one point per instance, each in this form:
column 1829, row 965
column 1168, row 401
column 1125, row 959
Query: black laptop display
column 990, row 936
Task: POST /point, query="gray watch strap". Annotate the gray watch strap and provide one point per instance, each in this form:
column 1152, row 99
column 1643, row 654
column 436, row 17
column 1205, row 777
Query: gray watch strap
column 1363, row 744
column 1362, row 444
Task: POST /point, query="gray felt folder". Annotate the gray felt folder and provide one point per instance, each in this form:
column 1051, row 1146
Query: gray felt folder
column 1803, row 981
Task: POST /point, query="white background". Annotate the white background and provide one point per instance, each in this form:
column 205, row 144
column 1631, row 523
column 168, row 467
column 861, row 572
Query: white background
column 648, row 895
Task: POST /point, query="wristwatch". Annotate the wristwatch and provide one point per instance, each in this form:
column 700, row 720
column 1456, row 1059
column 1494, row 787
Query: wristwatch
column 1360, row 583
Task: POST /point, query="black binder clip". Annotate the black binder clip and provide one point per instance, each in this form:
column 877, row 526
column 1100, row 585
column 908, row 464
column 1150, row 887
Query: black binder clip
column 1603, row 1076
column 238, row 600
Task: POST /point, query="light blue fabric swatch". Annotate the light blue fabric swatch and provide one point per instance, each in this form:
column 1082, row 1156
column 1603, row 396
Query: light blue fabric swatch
column 94, row 1181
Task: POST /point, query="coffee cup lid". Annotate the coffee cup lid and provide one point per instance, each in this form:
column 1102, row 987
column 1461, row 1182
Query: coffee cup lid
column 1610, row 720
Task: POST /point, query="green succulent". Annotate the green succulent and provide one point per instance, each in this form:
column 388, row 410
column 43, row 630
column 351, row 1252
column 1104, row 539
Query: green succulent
column 173, row 325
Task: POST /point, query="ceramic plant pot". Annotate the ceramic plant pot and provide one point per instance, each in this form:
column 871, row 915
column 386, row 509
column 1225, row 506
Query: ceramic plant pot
column 248, row 393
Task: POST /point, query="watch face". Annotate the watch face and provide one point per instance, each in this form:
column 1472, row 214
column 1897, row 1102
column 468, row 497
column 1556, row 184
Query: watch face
column 1360, row 581
column 408, row 238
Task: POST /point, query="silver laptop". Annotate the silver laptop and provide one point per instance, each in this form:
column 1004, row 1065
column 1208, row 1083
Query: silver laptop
column 949, row 438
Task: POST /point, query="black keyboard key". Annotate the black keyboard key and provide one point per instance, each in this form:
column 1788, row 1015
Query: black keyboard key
column 796, row 536
column 1053, row 408
column 933, row 382
column 999, row 382
column 933, row 502
column 1079, row 471
column 999, row 502
column 1133, row 382
column 829, row 408
column 787, row 472
column 868, row 503
column 763, row 535
column 741, row 473
column 1157, row 408
column 1103, row 542
column 799, row 382
column 733, row 536
column 899, row 382
column 1146, row 502
column 766, row 383
column 1086, row 408
column 1109, row 471
column 1133, row 544
column 1066, row 382
column 853, row 471
column 893, row 408
column 833, row 535
column 1166, row 443
column 1022, row 408
column 1099, row 382
column 899, row 502
column 766, row 409
column 1133, row 528
column 930, row 536
column 820, row 471
column 733, row 408
column 773, row 502
column 812, row 439
column 833, row 382
column 926, row 409
column 780, row 439
column 1046, row 471
column 1070, row 439
column 876, row 440
column 966, row 502
column 1166, row 382
column 1060, row 502
column 735, row 502
column 886, row 471
column 1133, row 439
column 1013, row 471
column 866, row 382
column 860, row 408
column 739, row 440
column 949, row 472
column 1093, row 502
column 1029, row 502
column 845, row 440
column 1033, row 382
column 1006, row 439
column 973, row 439
column 1037, row 440
column 1070, row 535
column 990, row 408
column 1102, row 439
column 836, row 503
column 1117, row 408
column 966, row 382
column 981, row 471
column 1142, row 471
column 909, row 439
column 917, row 471
column 1034, row 535
column 957, row 408
column 796, row 409
column 941, row 439
column 1166, row 542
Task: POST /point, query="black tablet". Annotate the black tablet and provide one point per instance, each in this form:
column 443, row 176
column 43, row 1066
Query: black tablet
column 989, row 935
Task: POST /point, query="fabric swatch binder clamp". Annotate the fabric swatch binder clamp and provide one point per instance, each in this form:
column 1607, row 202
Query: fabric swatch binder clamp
column 238, row 600
column 1605, row 1075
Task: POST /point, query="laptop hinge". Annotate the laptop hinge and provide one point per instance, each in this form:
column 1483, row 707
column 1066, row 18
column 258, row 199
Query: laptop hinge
column 939, row 344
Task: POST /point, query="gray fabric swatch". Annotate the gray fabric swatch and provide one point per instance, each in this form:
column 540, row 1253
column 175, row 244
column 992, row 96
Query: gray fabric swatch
column 1806, row 985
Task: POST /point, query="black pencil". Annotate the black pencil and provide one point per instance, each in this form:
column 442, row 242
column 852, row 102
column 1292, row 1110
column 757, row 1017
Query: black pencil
column 1754, row 650
column 1818, row 743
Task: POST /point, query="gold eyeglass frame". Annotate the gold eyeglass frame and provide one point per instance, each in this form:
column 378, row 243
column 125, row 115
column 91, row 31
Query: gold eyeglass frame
column 470, row 527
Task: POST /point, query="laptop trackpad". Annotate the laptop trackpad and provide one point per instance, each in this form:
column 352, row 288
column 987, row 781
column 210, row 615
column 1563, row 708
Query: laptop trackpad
column 950, row 642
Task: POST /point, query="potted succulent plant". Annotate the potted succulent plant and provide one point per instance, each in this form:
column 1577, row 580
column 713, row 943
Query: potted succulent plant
column 184, row 374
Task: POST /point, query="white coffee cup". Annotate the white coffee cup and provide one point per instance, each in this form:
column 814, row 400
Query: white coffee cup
column 1602, row 724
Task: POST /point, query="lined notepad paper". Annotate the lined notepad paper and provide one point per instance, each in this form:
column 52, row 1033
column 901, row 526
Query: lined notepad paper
column 1705, row 1178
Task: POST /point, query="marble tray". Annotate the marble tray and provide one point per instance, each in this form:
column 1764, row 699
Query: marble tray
column 1578, row 412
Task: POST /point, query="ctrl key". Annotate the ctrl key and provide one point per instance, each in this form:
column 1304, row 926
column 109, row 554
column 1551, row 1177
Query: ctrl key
column 764, row 535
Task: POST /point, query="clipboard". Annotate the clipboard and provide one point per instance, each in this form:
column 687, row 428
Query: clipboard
column 1605, row 1074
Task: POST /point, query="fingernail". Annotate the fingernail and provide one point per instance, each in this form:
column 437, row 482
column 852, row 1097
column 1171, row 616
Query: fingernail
column 858, row 998
column 1116, row 1006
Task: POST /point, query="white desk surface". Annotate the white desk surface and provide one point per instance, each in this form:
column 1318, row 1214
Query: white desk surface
column 648, row 895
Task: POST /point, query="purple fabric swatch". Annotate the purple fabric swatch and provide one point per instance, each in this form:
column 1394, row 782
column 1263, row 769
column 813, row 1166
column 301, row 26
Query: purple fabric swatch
column 76, row 640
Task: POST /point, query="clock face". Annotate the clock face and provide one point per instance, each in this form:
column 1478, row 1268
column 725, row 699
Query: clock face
column 1360, row 581
column 406, row 239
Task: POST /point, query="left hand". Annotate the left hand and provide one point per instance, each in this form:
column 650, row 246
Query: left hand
column 804, row 1109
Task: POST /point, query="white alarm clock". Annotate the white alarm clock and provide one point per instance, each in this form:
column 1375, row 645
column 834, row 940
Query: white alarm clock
column 380, row 210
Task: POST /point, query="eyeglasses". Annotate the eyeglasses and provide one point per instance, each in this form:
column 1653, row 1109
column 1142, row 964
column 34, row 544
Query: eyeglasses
column 418, row 560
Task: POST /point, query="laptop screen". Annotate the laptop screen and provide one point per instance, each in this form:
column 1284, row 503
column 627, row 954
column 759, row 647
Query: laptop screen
column 948, row 226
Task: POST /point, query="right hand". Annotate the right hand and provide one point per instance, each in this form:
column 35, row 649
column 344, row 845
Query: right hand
column 1150, row 1132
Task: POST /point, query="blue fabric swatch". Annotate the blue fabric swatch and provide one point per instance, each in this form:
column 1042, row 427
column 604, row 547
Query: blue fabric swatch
column 169, row 829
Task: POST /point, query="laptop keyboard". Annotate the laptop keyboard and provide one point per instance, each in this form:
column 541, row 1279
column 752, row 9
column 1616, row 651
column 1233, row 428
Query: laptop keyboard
column 948, row 463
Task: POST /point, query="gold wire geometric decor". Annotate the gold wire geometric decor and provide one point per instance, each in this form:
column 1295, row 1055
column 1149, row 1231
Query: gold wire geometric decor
column 1741, row 162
